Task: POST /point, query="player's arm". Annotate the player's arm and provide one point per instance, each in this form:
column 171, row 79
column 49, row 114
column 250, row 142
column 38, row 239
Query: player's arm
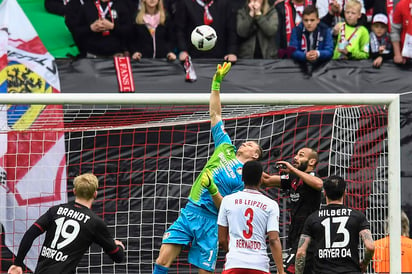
column 276, row 248
column 113, row 248
column 312, row 181
column 29, row 236
column 223, row 227
column 270, row 180
column 303, row 245
column 215, row 107
column 117, row 254
column 367, row 239
column 223, row 232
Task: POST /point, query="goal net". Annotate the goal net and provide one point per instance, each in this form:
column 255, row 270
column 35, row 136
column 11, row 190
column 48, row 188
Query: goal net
column 147, row 156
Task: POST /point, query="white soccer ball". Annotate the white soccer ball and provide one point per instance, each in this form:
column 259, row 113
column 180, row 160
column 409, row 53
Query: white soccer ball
column 204, row 37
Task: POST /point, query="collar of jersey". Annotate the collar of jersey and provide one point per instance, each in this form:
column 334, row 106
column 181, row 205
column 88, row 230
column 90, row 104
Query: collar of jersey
column 79, row 205
column 254, row 191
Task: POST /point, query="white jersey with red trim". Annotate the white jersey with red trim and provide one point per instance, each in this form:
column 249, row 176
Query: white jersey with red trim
column 250, row 215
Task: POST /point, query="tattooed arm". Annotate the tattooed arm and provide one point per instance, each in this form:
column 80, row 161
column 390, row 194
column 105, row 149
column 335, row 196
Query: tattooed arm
column 369, row 248
column 301, row 254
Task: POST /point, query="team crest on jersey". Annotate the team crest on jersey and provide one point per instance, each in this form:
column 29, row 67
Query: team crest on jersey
column 223, row 129
column 294, row 197
column 239, row 170
column 166, row 235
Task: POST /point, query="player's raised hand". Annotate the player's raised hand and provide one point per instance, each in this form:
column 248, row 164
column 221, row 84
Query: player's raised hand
column 14, row 269
column 221, row 71
column 284, row 166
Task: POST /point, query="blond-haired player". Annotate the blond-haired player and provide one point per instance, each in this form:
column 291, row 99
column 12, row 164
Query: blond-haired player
column 70, row 229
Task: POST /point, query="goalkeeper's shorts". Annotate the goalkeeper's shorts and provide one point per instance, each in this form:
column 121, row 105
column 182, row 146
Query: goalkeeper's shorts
column 198, row 227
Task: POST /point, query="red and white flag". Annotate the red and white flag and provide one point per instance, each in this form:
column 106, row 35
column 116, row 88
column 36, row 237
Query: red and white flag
column 32, row 162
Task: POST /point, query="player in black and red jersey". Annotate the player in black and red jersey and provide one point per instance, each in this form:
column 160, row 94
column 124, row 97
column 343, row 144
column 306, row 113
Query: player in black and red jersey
column 334, row 231
column 70, row 229
column 299, row 180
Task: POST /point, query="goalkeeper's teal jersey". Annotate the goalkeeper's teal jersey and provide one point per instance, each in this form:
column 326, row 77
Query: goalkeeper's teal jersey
column 225, row 168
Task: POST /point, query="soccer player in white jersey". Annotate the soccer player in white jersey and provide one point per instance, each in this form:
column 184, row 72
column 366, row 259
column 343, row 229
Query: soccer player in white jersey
column 245, row 219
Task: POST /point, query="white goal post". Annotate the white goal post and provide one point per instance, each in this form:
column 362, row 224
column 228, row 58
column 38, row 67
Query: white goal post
column 392, row 101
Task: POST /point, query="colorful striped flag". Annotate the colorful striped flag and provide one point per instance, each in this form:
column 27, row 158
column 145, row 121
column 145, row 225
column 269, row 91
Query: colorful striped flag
column 32, row 162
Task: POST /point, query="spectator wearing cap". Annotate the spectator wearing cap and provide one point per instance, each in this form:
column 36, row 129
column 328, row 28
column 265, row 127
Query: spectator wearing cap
column 380, row 41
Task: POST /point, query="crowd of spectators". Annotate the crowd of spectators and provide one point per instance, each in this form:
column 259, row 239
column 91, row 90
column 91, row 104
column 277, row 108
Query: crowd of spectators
column 311, row 32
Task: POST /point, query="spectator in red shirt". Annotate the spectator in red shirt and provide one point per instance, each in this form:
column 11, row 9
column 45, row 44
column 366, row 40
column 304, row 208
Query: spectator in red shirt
column 401, row 19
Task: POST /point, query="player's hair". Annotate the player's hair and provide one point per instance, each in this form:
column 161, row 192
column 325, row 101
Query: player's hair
column 252, row 173
column 86, row 185
column 313, row 155
column 260, row 151
column 334, row 187
column 309, row 10
column 404, row 225
column 353, row 4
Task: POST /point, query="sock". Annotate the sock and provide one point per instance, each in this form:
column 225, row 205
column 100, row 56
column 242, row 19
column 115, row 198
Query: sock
column 159, row 269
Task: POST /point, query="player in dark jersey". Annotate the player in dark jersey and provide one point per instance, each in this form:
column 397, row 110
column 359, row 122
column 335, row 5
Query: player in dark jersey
column 299, row 180
column 70, row 229
column 334, row 231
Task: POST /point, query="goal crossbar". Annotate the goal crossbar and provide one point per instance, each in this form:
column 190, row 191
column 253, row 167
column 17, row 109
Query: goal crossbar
column 199, row 98
column 391, row 100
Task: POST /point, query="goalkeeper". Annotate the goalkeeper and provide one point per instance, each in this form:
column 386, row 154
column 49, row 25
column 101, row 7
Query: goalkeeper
column 222, row 175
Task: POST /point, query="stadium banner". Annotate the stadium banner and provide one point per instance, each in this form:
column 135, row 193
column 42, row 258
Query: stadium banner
column 30, row 182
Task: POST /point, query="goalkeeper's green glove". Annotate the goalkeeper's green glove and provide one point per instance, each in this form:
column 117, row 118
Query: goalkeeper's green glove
column 204, row 181
column 207, row 182
column 221, row 72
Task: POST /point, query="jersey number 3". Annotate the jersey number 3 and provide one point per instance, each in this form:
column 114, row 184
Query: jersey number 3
column 63, row 230
column 249, row 215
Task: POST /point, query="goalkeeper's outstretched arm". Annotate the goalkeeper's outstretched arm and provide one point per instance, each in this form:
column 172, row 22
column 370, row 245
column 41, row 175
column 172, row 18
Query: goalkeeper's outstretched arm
column 215, row 107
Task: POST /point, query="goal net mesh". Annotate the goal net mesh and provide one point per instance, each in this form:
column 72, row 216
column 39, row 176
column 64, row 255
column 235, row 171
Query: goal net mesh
column 146, row 158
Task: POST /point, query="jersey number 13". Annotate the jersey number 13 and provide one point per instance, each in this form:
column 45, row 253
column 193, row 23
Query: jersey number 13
column 341, row 229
